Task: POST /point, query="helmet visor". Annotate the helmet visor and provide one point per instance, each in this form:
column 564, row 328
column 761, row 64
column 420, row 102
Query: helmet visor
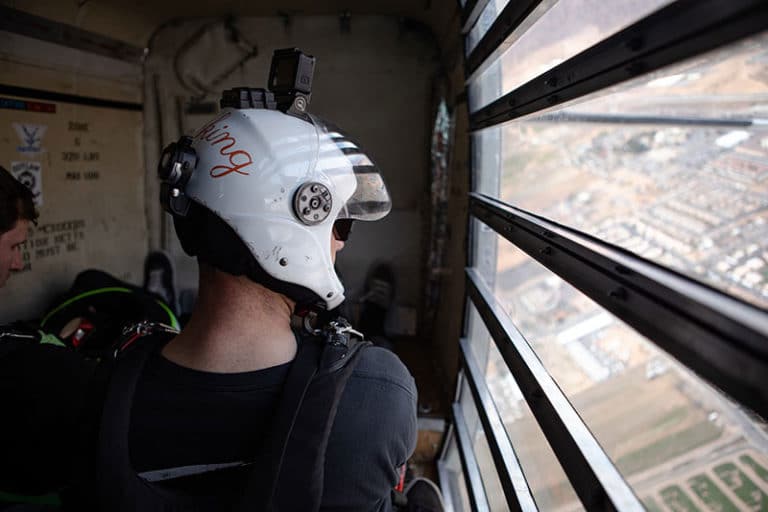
column 370, row 199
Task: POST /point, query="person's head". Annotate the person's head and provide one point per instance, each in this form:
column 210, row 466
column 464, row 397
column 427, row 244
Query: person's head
column 17, row 210
column 271, row 195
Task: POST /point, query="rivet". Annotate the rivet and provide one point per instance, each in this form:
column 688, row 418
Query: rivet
column 330, row 294
column 618, row 293
column 283, row 262
column 175, row 192
column 621, row 269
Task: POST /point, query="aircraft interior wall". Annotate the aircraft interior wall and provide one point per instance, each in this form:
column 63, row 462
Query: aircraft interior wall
column 85, row 163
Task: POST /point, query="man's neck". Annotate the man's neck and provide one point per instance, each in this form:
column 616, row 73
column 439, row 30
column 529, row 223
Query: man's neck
column 237, row 325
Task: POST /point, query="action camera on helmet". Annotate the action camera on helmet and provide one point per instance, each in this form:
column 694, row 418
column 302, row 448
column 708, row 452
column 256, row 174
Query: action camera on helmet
column 290, row 79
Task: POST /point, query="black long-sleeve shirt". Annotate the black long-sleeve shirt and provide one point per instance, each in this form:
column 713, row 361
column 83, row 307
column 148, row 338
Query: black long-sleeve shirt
column 183, row 417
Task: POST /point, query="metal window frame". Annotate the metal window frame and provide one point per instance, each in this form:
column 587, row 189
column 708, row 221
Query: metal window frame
column 670, row 120
column 511, row 476
column 444, row 473
column 492, row 42
column 471, row 13
column 477, row 497
column 721, row 338
column 678, row 31
column 594, row 477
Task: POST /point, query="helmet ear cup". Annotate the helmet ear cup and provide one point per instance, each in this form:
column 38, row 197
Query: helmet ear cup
column 174, row 170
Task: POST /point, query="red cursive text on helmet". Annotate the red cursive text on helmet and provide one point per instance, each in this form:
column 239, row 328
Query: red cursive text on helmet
column 217, row 135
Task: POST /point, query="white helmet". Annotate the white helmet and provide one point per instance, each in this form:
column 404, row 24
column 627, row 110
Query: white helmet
column 280, row 181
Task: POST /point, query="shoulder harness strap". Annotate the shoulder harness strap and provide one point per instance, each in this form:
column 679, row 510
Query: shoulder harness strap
column 291, row 474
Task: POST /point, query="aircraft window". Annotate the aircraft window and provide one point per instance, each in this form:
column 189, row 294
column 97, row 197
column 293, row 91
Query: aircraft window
column 484, row 22
column 490, row 159
column 672, row 436
column 452, row 477
column 673, row 168
column 565, row 30
column 484, row 252
column 549, row 485
column 491, row 483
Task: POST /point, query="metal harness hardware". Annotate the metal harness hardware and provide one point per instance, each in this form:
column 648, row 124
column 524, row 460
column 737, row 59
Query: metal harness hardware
column 133, row 332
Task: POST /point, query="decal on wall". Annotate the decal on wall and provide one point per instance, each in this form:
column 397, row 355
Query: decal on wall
column 74, row 159
column 76, row 156
column 30, row 106
column 31, row 136
column 86, row 175
column 53, row 240
column 31, row 176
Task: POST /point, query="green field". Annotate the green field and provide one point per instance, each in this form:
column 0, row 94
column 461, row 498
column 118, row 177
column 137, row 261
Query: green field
column 668, row 447
column 676, row 500
column 759, row 470
column 742, row 486
column 711, row 490
column 711, row 494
